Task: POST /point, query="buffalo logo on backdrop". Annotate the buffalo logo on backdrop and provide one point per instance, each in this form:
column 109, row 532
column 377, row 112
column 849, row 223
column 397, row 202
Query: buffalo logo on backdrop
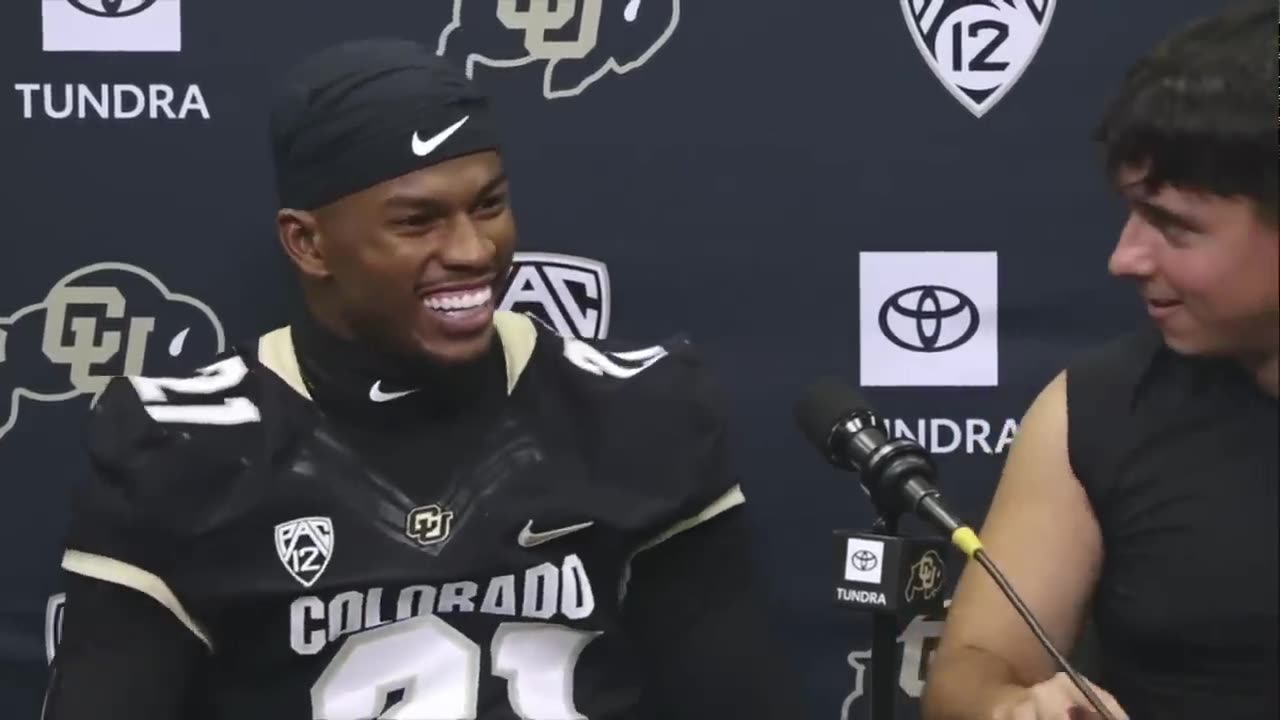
column 580, row 41
column 53, row 612
column 113, row 26
column 569, row 294
column 918, row 640
column 100, row 321
column 978, row 49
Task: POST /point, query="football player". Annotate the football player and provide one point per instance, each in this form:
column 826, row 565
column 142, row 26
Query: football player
column 406, row 504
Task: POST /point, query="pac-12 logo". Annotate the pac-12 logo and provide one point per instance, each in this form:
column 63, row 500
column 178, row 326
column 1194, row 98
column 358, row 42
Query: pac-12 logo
column 978, row 49
column 580, row 41
column 100, row 321
column 569, row 294
column 305, row 545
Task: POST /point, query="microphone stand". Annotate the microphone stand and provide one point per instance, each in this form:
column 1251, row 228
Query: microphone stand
column 884, row 644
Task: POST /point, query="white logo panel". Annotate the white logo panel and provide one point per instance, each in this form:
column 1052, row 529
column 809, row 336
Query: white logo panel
column 864, row 561
column 112, row 25
column 929, row 319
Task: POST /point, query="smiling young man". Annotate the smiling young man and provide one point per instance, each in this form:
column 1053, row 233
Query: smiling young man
column 1147, row 470
column 407, row 505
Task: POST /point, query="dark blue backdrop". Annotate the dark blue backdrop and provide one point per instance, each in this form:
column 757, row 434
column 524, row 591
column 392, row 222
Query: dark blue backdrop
column 727, row 165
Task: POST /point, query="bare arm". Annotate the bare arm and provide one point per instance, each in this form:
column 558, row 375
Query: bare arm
column 1041, row 532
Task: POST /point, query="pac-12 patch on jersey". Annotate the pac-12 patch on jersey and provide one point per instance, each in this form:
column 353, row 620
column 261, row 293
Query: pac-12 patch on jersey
column 305, row 546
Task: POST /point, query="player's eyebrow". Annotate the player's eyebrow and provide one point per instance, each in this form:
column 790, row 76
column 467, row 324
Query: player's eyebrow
column 1163, row 216
column 430, row 205
column 492, row 185
column 1138, row 196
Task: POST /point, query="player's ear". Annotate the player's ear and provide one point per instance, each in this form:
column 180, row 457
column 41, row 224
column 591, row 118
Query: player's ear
column 299, row 235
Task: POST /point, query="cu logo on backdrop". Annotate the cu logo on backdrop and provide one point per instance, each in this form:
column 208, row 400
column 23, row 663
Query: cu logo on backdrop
column 112, row 8
column 580, row 41
column 97, row 322
column 939, row 317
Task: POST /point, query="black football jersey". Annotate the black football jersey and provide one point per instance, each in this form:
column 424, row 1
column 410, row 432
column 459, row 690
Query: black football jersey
column 490, row 587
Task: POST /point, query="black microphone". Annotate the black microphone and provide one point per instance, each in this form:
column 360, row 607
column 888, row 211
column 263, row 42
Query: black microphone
column 898, row 474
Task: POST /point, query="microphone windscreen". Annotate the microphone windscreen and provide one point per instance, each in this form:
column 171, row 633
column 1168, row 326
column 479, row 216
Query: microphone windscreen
column 823, row 405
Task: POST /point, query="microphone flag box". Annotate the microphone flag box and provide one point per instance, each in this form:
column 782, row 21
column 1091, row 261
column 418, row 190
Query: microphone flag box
column 890, row 574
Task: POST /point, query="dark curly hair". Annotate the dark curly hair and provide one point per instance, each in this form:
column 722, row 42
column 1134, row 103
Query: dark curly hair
column 1200, row 110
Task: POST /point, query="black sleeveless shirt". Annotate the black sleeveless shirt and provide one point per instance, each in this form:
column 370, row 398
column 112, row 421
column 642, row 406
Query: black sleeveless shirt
column 1178, row 457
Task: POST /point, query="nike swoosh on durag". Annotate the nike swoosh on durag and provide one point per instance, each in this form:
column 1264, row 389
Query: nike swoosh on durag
column 423, row 148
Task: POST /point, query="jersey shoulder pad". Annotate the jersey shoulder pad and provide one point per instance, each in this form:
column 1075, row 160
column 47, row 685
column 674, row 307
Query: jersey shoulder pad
column 165, row 458
column 165, row 438
column 615, row 365
column 660, row 401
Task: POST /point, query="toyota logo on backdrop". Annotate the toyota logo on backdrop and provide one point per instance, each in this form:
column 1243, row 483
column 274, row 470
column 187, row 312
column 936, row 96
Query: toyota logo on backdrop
column 942, row 318
column 112, row 8
column 928, row 319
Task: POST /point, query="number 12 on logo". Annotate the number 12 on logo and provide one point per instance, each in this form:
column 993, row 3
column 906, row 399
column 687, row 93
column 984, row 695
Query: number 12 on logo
column 437, row 670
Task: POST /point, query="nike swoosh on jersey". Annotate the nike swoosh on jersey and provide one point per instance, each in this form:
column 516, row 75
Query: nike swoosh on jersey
column 529, row 538
column 423, row 148
column 377, row 395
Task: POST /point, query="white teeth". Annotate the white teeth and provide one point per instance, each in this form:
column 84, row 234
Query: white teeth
column 459, row 301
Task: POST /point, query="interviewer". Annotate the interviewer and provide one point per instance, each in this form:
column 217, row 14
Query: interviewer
column 1141, row 489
